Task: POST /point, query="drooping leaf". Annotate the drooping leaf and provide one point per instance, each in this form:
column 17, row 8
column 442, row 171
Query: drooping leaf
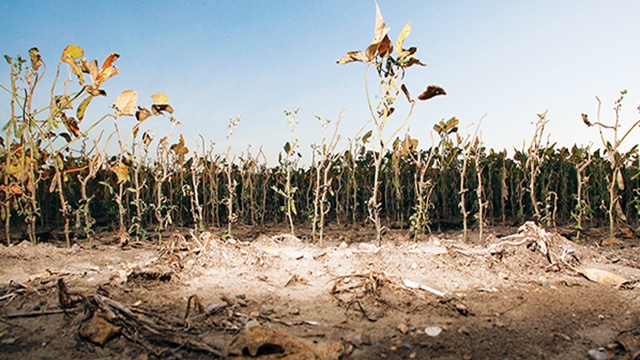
column 69, row 56
column 8, row 59
column 287, row 148
column 406, row 92
column 126, row 103
column 71, row 124
column 432, row 91
column 353, row 56
column 158, row 109
column 366, row 136
column 382, row 49
column 82, row 108
column 179, row 147
column 66, row 136
column 36, row 59
column 160, row 98
column 147, row 137
column 143, row 113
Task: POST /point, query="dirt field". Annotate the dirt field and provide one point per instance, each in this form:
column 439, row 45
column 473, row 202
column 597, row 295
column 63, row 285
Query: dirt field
column 272, row 295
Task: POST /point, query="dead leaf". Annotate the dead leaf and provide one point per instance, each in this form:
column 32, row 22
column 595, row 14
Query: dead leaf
column 100, row 76
column 406, row 30
column 381, row 30
column 147, row 137
column 36, row 59
column 126, row 103
column 158, row 109
column 143, row 113
column 602, row 276
column 69, row 56
column 122, row 171
column 71, row 124
column 406, row 92
column 431, row 91
column 352, row 56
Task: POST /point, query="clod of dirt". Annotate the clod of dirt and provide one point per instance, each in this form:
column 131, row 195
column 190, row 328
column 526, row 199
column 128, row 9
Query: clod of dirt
column 98, row 330
column 264, row 343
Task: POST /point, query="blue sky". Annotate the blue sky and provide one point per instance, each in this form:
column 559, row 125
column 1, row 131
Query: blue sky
column 219, row 59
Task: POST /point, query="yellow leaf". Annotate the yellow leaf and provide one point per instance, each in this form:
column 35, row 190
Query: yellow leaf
column 126, row 103
column 122, row 171
column 406, row 30
column 602, row 276
column 83, row 108
column 160, row 98
column 73, row 52
column 69, row 55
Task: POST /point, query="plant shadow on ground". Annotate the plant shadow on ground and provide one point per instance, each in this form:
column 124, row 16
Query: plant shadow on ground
column 190, row 297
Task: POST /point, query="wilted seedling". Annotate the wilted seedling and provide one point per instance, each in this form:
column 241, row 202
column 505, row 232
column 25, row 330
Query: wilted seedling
column 617, row 160
column 391, row 72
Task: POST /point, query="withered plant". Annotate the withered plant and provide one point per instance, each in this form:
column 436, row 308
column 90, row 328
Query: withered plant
column 391, row 72
column 617, row 160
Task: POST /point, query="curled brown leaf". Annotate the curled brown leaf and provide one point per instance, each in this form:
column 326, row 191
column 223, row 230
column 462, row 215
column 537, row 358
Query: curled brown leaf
column 432, row 91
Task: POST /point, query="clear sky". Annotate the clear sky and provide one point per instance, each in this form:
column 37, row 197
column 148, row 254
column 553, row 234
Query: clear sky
column 219, row 59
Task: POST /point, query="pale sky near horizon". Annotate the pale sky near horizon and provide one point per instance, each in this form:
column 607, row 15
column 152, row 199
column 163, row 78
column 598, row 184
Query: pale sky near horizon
column 218, row 59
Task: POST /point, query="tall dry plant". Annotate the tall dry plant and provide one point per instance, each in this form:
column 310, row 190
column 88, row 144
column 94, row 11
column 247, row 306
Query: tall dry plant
column 617, row 160
column 391, row 73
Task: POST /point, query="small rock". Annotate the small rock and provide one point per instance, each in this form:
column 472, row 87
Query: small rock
column 406, row 347
column 433, row 331
column 317, row 253
column 403, row 328
column 344, row 245
column 251, row 323
column 464, row 330
column 597, row 355
column 414, row 266
column 356, row 340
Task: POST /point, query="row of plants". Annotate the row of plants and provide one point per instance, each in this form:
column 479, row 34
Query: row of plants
column 55, row 175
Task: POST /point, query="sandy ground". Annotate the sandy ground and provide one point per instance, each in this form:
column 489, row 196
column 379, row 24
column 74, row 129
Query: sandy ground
column 513, row 295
